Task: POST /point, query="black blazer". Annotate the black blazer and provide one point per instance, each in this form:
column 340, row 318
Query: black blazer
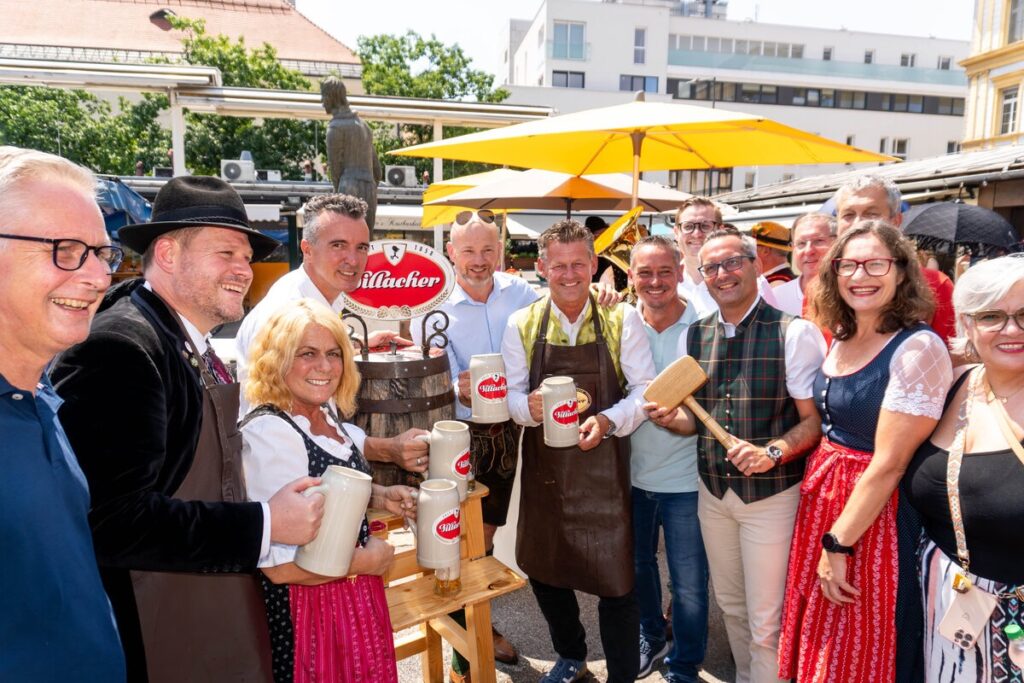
column 132, row 410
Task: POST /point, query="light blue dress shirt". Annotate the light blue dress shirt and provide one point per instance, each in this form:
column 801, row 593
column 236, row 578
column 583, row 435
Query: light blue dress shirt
column 476, row 328
column 662, row 461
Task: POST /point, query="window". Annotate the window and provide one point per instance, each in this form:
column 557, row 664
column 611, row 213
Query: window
column 697, row 44
column 952, row 147
column 826, row 54
column 883, row 143
column 1016, row 23
column 769, row 94
column 769, row 49
column 908, row 59
column 639, row 45
column 899, row 148
column 813, row 97
column 750, row 92
column 799, row 96
column 568, row 79
column 748, row 180
column 869, row 56
column 633, row 83
column 714, row 44
column 569, row 40
column 849, row 140
column 741, row 47
column 944, row 63
column 1008, row 119
column 828, row 97
column 916, row 104
column 899, row 102
column 796, row 52
column 787, row 177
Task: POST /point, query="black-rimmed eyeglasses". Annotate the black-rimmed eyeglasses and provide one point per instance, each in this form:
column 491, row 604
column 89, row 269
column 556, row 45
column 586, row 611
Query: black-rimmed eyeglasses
column 70, row 254
column 710, row 270
column 703, row 226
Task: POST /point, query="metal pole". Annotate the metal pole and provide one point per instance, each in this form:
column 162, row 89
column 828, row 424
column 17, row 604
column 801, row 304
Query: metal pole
column 637, row 137
column 177, row 134
column 438, row 135
column 294, row 259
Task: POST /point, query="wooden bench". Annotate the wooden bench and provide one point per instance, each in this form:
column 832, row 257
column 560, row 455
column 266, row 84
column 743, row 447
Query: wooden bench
column 411, row 599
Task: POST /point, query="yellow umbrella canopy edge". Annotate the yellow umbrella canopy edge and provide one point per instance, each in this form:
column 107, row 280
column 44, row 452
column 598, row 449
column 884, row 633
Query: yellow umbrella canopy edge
column 437, row 215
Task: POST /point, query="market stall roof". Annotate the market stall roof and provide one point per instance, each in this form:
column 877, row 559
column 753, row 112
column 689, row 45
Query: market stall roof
column 932, row 178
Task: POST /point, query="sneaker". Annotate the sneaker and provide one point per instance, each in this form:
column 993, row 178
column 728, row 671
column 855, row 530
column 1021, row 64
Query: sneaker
column 650, row 653
column 565, row 671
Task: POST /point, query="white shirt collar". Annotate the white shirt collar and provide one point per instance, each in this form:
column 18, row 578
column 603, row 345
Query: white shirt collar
column 781, row 266
column 730, row 329
column 199, row 342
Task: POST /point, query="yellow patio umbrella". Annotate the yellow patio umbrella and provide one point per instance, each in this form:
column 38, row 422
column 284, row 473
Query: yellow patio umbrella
column 436, row 215
column 645, row 136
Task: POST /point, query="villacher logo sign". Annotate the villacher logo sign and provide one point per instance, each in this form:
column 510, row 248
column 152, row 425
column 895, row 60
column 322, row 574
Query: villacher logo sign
column 492, row 388
column 565, row 412
column 402, row 280
column 447, row 527
column 460, row 466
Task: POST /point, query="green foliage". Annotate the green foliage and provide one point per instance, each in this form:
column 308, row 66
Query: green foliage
column 275, row 143
column 442, row 72
column 82, row 127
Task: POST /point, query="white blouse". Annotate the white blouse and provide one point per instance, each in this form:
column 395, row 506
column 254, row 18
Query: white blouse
column 273, row 454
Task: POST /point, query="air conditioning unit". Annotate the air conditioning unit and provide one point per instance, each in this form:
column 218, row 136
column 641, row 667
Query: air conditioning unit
column 401, row 176
column 267, row 175
column 236, row 170
column 163, row 172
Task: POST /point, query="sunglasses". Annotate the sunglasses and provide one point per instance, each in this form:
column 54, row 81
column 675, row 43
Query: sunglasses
column 464, row 217
column 875, row 267
column 995, row 320
column 70, row 254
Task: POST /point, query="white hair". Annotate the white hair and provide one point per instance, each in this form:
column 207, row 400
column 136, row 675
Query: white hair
column 866, row 182
column 979, row 288
column 19, row 166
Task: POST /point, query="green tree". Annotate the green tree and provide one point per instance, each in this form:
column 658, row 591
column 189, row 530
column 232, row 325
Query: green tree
column 443, row 72
column 84, row 128
column 275, row 143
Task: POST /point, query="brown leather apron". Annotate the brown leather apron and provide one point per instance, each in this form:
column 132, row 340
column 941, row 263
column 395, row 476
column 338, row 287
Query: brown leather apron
column 575, row 515
column 207, row 627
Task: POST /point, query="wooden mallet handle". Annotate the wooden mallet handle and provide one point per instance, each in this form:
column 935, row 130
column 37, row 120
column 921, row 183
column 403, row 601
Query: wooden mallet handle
column 725, row 438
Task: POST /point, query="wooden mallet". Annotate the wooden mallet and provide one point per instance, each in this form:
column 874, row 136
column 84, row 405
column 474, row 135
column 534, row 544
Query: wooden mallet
column 676, row 384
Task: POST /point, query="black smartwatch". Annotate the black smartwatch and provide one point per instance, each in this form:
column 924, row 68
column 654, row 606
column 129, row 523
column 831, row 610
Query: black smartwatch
column 831, row 544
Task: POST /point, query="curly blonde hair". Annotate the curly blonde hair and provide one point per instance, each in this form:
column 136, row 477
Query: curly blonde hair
column 273, row 351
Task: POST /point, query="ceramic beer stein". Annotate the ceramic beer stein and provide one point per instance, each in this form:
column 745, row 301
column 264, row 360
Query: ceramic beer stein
column 347, row 493
column 449, row 453
column 490, row 388
column 561, row 418
column 438, row 526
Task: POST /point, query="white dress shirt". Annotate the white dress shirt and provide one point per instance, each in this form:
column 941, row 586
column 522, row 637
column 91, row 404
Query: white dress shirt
column 634, row 359
column 805, row 350
column 697, row 294
column 273, row 454
column 789, row 297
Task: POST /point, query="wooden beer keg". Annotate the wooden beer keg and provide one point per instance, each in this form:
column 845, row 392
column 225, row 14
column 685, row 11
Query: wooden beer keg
column 400, row 390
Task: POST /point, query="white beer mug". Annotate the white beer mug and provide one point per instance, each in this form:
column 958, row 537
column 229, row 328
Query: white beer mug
column 561, row 416
column 449, row 453
column 438, row 525
column 347, row 493
column 490, row 388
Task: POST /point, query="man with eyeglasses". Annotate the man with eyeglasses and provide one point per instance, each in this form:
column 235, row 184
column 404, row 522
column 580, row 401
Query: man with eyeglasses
column 152, row 412
column 874, row 197
column 760, row 364
column 813, row 235
column 478, row 311
column 335, row 243
column 55, row 620
column 696, row 218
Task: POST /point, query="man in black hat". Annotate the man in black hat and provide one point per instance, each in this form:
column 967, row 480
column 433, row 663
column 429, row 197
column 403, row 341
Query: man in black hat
column 151, row 413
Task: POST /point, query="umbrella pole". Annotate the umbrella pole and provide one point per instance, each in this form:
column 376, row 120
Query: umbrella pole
column 568, row 208
column 504, row 236
column 638, row 140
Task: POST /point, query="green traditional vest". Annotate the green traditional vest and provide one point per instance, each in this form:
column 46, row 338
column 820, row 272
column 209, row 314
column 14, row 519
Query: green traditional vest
column 528, row 321
column 746, row 393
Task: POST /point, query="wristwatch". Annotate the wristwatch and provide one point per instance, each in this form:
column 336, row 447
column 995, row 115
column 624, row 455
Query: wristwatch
column 831, row 544
column 611, row 428
column 774, row 452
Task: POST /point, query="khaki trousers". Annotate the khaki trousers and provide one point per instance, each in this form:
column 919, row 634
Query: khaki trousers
column 748, row 551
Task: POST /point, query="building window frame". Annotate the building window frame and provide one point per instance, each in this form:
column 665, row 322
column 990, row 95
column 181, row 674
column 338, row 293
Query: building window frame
column 869, row 56
column 944, row 63
column 639, row 45
column 828, row 53
column 630, row 83
column 1009, row 110
column 908, row 59
column 1014, row 21
column 565, row 79
column 571, row 49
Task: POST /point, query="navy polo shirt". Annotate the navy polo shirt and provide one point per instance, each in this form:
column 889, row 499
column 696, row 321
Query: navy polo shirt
column 55, row 619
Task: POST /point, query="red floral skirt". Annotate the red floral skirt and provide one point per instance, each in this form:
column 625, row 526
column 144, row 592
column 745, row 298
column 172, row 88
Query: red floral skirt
column 822, row 641
column 343, row 632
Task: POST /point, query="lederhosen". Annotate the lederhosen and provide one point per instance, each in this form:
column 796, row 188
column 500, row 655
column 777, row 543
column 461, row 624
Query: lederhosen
column 575, row 515
column 206, row 627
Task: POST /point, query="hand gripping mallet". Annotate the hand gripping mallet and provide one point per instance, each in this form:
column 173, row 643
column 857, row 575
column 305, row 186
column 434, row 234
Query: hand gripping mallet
column 676, row 384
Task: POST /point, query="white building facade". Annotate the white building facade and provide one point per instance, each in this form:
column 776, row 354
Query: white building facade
column 900, row 95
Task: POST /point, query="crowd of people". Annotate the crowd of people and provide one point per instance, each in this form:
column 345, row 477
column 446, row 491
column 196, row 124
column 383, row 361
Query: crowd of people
column 153, row 505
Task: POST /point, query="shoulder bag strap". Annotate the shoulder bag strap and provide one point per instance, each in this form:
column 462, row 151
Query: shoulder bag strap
column 1003, row 418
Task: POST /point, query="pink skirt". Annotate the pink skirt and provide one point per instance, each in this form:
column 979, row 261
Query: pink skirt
column 343, row 632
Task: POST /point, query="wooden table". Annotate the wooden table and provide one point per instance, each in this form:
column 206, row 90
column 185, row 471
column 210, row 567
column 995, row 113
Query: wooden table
column 411, row 599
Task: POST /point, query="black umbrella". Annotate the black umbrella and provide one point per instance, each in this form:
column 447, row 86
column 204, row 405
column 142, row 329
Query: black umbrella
column 938, row 226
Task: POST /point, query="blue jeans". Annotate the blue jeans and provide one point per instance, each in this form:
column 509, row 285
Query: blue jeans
column 676, row 513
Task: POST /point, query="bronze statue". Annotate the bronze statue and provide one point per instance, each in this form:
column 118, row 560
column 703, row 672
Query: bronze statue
column 351, row 158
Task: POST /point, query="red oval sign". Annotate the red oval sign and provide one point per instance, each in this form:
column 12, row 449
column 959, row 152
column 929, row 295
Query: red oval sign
column 447, row 526
column 493, row 387
column 565, row 412
column 402, row 280
column 460, row 466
